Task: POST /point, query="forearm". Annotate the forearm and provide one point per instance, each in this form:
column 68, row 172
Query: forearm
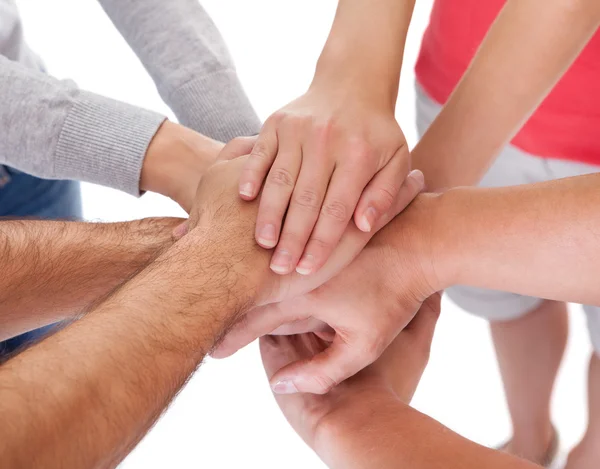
column 186, row 56
column 392, row 435
column 527, row 50
column 539, row 240
column 85, row 396
column 56, row 270
column 367, row 55
column 55, row 130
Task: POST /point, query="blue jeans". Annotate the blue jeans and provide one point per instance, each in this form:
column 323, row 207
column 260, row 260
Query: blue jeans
column 23, row 196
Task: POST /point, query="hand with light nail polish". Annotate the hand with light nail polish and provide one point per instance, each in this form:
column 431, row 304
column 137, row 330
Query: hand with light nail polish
column 331, row 155
column 217, row 194
column 364, row 307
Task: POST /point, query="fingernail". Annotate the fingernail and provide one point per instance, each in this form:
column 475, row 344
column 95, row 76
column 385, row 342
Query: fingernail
column 368, row 220
column 247, row 189
column 418, row 176
column 306, row 264
column 281, row 262
column 267, row 236
column 285, row 386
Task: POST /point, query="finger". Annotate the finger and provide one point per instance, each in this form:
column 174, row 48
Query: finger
column 382, row 191
column 340, row 201
column 258, row 164
column 303, row 213
column 239, row 146
column 322, row 372
column 277, row 192
column 257, row 323
column 304, row 326
column 412, row 186
column 424, row 323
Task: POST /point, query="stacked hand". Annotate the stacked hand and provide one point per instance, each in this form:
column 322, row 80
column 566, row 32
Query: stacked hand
column 321, row 420
column 364, row 308
column 362, row 302
column 327, row 157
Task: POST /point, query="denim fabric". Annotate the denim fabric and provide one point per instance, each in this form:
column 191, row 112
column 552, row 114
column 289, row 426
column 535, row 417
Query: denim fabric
column 22, row 195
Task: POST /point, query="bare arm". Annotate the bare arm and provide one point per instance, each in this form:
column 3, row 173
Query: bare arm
column 542, row 239
column 55, row 270
column 337, row 151
column 537, row 239
column 399, row 436
column 528, row 49
column 86, row 395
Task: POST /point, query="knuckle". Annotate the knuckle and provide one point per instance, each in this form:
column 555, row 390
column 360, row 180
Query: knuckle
column 290, row 239
column 319, row 245
column 324, row 383
column 336, row 210
column 260, row 151
column 281, row 177
column 323, row 131
column 276, row 117
column 374, row 347
column 309, row 199
column 386, row 195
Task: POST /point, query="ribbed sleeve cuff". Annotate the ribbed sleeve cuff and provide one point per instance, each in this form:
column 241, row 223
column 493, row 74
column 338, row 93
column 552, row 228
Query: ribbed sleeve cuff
column 215, row 105
column 104, row 141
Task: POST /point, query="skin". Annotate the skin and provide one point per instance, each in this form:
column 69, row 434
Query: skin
column 366, row 421
column 529, row 47
column 423, row 251
column 178, row 157
column 56, row 270
column 337, row 151
column 527, row 50
column 130, row 354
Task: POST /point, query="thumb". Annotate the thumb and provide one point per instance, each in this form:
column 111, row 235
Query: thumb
column 322, row 372
column 383, row 195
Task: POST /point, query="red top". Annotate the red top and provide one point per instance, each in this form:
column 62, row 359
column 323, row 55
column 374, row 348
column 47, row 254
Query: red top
column 565, row 126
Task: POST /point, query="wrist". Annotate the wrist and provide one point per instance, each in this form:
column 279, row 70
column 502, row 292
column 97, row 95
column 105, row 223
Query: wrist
column 342, row 74
column 175, row 161
column 416, row 237
column 344, row 437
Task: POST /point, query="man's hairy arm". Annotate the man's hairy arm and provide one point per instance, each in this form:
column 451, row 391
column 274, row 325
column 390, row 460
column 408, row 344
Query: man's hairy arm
column 86, row 395
column 527, row 50
column 54, row 270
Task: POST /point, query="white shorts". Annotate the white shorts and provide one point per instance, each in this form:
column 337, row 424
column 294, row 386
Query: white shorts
column 513, row 167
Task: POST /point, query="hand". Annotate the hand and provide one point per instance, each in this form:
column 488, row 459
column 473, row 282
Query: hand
column 366, row 305
column 393, row 378
column 331, row 154
column 178, row 157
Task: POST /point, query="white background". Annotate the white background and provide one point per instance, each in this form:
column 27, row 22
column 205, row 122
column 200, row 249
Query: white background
column 226, row 416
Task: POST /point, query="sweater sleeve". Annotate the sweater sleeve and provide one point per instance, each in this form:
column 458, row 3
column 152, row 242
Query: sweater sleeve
column 54, row 130
column 186, row 56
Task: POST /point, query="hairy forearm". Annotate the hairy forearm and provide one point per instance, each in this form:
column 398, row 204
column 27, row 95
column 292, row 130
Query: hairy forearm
column 55, row 270
column 529, row 47
column 367, row 54
column 85, row 396
column 392, row 435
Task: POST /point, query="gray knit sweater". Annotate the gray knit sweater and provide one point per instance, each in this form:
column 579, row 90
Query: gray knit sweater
column 52, row 129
